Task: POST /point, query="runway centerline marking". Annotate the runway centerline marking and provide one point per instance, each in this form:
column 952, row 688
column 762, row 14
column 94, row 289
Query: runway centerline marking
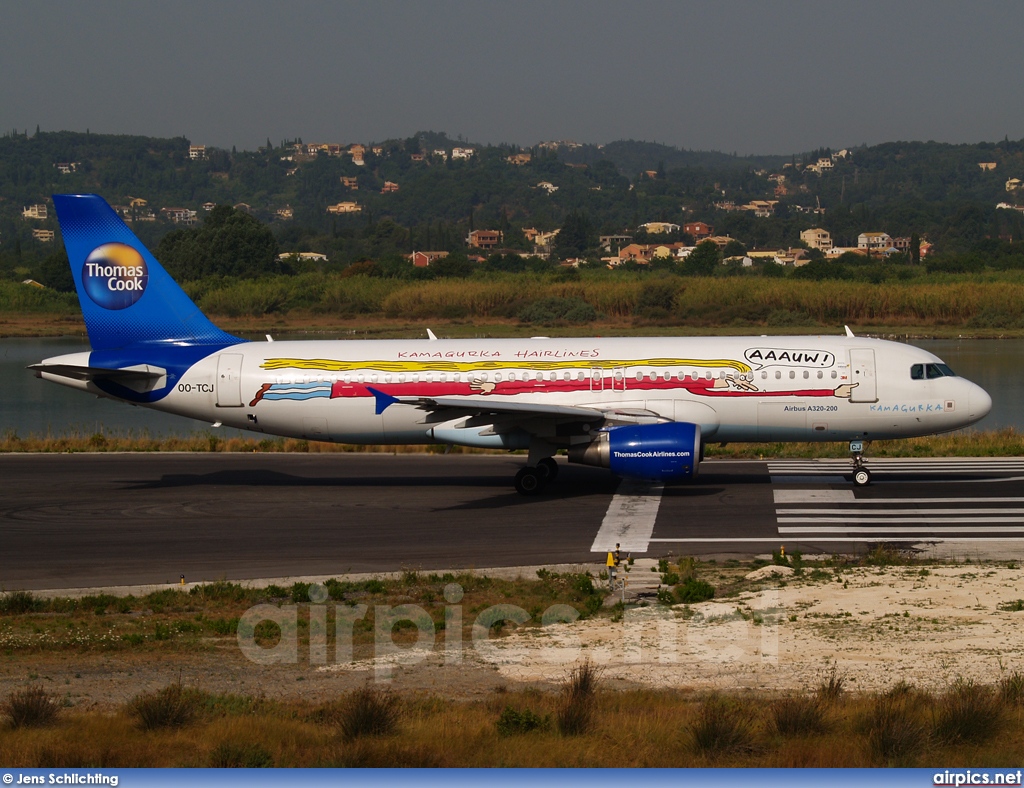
column 629, row 521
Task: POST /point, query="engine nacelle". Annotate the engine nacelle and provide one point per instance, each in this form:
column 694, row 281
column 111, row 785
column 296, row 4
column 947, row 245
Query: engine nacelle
column 662, row 452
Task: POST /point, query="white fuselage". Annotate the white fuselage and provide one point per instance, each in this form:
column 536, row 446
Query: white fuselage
column 823, row 388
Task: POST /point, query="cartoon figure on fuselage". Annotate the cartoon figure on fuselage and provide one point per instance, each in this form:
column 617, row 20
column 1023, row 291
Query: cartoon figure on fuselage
column 643, row 407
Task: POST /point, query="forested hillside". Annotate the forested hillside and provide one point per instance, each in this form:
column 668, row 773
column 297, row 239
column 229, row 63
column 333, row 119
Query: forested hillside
column 417, row 193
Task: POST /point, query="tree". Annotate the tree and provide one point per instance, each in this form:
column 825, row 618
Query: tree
column 228, row 243
column 704, row 260
column 576, row 235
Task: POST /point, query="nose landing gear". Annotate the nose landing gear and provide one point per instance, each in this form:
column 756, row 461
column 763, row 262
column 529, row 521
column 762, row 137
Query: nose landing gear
column 861, row 475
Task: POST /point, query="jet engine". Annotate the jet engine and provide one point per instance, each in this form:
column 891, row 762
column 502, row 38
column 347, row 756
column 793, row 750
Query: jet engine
column 661, row 452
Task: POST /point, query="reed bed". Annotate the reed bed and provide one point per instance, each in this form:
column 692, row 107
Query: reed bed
column 693, row 301
column 1007, row 442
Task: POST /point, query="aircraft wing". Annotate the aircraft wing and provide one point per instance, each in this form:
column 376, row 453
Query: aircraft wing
column 479, row 406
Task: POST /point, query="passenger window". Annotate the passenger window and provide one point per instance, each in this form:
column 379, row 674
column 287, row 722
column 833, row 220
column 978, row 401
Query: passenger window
column 764, row 376
column 806, row 374
column 820, row 374
column 566, row 376
column 387, row 378
column 553, row 376
column 792, row 374
column 652, row 376
column 834, row 375
column 639, row 376
column 497, row 376
column 917, row 372
column 778, row 375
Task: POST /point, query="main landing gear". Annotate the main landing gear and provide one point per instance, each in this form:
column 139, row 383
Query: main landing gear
column 861, row 475
column 532, row 480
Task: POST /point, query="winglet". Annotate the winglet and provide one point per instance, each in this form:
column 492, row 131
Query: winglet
column 383, row 401
column 431, row 336
column 849, row 333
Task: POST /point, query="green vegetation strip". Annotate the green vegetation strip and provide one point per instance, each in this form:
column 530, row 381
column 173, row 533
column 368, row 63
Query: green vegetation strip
column 997, row 443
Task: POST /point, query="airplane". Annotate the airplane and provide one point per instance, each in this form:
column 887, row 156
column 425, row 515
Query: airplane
column 643, row 407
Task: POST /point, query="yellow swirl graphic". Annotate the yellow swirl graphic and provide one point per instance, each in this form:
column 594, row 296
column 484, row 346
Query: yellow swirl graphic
column 334, row 365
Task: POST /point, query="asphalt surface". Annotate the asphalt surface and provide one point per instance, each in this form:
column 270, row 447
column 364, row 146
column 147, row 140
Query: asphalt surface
column 125, row 519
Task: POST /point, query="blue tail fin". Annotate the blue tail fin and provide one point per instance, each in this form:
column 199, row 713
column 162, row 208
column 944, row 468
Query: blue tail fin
column 127, row 297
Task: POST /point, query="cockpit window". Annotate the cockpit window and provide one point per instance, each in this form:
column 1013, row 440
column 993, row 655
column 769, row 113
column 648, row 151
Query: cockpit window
column 938, row 371
column 930, row 371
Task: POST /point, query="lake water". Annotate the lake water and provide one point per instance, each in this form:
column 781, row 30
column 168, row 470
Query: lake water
column 31, row 406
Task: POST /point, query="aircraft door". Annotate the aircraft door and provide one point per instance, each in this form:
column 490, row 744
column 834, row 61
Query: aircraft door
column 596, row 379
column 862, row 372
column 229, row 380
column 619, row 379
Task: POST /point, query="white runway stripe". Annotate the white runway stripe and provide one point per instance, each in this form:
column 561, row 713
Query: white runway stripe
column 993, row 529
column 847, row 539
column 847, row 496
column 919, row 510
column 630, row 518
column 877, row 520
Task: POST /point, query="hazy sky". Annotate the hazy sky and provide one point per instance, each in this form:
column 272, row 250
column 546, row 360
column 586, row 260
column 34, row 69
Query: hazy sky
column 751, row 77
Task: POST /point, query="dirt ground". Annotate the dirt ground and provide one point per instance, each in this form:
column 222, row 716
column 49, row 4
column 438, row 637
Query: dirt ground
column 876, row 625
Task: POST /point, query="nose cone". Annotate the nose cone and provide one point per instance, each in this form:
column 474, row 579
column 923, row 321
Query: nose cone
column 979, row 403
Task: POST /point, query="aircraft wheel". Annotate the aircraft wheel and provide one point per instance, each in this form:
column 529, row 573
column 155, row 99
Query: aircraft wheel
column 861, row 477
column 529, row 481
column 548, row 468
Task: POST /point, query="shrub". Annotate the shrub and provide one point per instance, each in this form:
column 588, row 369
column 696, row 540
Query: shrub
column 369, row 712
column 240, row 756
column 795, row 715
column 693, row 590
column 720, row 728
column 967, row 712
column 32, row 707
column 17, row 602
column 513, row 722
column 895, row 730
column 579, row 693
column 172, row 707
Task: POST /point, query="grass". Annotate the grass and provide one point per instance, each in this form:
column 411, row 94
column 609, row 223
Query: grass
column 575, row 715
column 721, row 728
column 206, row 617
column 369, row 711
column 32, row 707
column 797, row 715
column 632, row 728
column 174, row 706
column 1006, row 442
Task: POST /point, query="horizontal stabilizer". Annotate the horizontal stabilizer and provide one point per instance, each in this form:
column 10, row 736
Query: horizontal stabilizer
column 143, row 373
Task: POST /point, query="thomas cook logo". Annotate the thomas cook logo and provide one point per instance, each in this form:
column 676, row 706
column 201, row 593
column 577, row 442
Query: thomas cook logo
column 115, row 276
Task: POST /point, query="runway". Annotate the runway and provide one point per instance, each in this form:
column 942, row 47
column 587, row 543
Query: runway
column 124, row 519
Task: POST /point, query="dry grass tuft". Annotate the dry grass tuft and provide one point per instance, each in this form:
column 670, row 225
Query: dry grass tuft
column 370, row 711
column 172, row 707
column 32, row 707
column 796, row 715
column 575, row 713
column 721, row 728
column 895, row 731
column 967, row 712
